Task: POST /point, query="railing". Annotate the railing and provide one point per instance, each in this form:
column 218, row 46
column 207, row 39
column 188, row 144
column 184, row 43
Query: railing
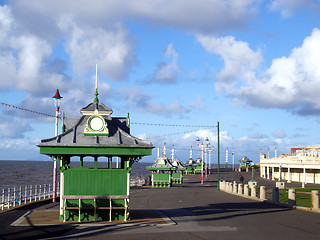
column 11, row 197
column 137, row 182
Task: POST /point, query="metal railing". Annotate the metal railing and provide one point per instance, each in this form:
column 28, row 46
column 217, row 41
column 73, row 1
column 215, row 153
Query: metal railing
column 12, row 197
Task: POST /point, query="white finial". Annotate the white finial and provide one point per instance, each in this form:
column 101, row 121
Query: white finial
column 96, row 77
column 172, row 153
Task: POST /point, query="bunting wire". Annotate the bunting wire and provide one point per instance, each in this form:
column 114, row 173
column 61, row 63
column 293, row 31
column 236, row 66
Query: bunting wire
column 174, row 125
column 26, row 110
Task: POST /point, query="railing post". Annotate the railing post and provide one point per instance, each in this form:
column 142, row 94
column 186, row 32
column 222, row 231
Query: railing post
column 235, row 187
column 275, row 194
column 49, row 193
column 40, row 192
column 30, row 196
column 14, row 196
column 8, row 198
column 246, row 190
column 20, row 199
column 240, row 188
column 25, row 194
column 35, row 192
column 315, row 200
column 2, row 200
column 263, row 195
column 292, row 197
column 254, row 191
column 44, row 191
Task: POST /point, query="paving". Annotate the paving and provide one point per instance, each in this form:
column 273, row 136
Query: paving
column 188, row 211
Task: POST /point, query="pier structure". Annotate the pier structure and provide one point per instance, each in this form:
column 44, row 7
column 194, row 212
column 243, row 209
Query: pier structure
column 199, row 165
column 302, row 165
column 179, row 169
column 99, row 192
column 190, row 165
column 162, row 170
column 244, row 164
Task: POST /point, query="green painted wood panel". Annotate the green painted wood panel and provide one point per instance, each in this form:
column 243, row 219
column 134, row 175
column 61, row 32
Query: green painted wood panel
column 93, row 151
column 85, row 181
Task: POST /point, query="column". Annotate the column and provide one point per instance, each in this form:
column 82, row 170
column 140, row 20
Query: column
column 272, row 173
column 268, row 172
column 304, row 175
column 289, row 175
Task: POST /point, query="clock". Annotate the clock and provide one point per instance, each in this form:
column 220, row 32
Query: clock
column 96, row 125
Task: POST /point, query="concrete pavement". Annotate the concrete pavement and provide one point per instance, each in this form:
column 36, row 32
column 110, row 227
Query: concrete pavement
column 193, row 211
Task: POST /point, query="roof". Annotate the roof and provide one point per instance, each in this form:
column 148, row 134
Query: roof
column 116, row 141
column 161, row 163
column 89, row 110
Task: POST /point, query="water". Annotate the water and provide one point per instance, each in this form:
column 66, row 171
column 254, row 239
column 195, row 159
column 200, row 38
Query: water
column 21, row 173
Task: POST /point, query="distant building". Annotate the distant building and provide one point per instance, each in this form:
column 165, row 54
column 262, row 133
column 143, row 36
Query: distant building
column 303, row 165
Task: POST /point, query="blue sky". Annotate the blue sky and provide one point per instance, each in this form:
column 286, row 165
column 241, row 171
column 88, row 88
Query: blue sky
column 251, row 65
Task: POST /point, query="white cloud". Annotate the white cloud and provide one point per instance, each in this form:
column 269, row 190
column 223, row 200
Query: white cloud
column 193, row 16
column 288, row 7
column 111, row 50
column 290, row 82
column 14, row 128
column 240, row 60
column 167, row 72
column 280, row 133
column 141, row 101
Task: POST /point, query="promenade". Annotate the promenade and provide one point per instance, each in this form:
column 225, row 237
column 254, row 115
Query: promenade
column 190, row 211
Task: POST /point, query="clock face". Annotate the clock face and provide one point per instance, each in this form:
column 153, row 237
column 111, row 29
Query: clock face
column 96, row 124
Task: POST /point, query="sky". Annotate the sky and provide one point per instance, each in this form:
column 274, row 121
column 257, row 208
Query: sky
column 252, row 65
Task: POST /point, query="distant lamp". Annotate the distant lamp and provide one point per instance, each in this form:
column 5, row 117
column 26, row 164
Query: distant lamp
column 57, row 98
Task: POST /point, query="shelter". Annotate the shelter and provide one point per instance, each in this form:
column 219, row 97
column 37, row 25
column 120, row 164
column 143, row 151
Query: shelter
column 161, row 171
column 100, row 192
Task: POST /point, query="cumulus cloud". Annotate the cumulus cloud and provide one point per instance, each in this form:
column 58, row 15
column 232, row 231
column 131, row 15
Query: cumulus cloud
column 239, row 59
column 288, row 7
column 141, row 101
column 167, row 72
column 289, row 83
column 200, row 16
column 280, row 133
column 14, row 128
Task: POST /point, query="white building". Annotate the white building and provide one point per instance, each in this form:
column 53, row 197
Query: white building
column 303, row 165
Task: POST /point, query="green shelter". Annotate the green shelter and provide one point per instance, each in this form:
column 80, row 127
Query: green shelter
column 198, row 165
column 244, row 164
column 161, row 171
column 190, row 165
column 99, row 192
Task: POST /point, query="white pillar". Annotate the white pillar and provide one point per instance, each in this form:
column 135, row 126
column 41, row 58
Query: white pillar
column 304, row 176
column 263, row 195
column 253, row 191
column 292, row 197
column 315, row 200
column 235, row 187
column 289, row 175
column 246, row 190
column 239, row 188
column 268, row 173
column 272, row 173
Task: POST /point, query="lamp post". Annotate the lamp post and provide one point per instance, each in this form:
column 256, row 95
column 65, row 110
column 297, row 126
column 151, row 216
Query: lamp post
column 57, row 99
column 218, row 156
column 210, row 150
column 200, row 145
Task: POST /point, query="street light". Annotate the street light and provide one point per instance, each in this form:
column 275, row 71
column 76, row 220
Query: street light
column 198, row 141
column 57, row 100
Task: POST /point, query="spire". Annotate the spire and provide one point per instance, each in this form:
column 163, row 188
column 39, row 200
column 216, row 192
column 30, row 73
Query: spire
column 96, row 100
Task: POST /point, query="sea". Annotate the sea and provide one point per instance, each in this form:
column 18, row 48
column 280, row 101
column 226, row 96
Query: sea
column 22, row 173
